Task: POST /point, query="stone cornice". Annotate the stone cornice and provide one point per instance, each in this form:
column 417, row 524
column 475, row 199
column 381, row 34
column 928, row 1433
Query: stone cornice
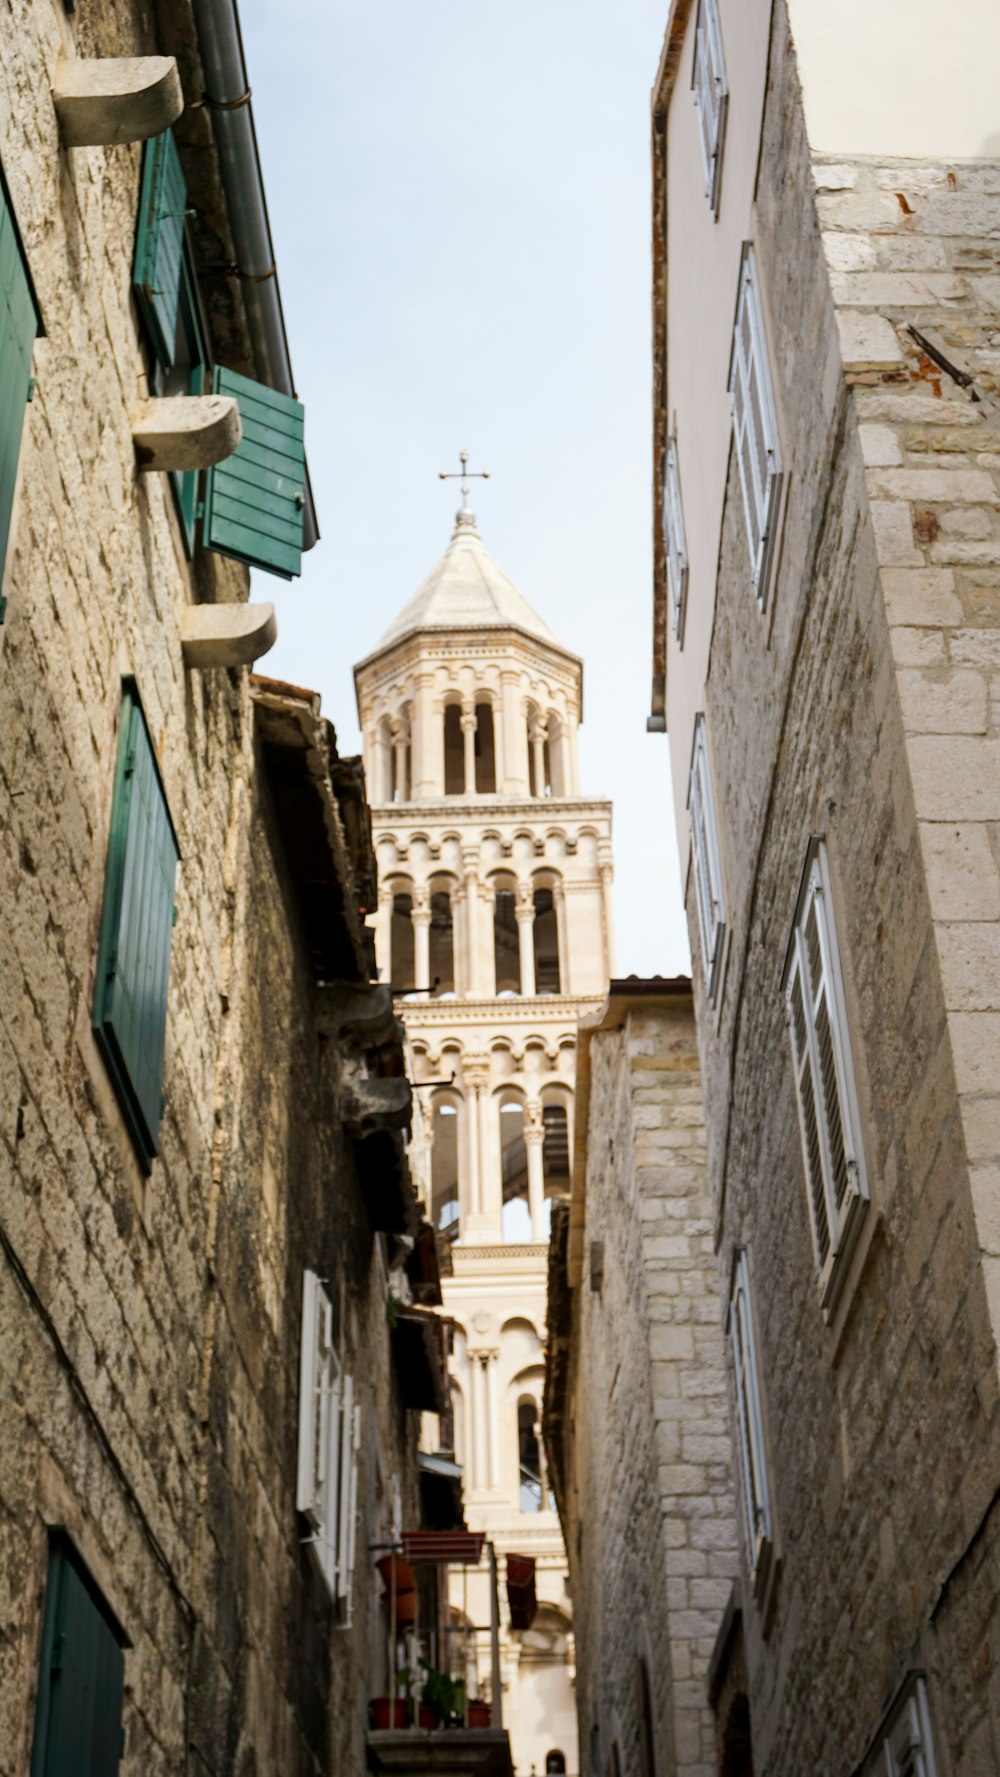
column 454, row 810
column 556, row 1008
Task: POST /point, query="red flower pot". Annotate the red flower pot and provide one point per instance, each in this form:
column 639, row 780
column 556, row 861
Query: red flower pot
column 480, row 1713
column 405, row 1581
column 426, row 1716
column 387, row 1712
column 406, row 1608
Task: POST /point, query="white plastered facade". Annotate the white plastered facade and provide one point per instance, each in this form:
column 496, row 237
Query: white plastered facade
column 495, row 884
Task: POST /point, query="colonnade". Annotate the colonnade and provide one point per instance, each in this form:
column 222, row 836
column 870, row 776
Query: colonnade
column 531, row 752
column 476, row 930
column 477, row 1154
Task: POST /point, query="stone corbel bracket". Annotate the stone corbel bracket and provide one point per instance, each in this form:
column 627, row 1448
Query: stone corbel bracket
column 115, row 99
column 183, row 432
column 374, row 1106
column 365, row 1014
column 226, row 635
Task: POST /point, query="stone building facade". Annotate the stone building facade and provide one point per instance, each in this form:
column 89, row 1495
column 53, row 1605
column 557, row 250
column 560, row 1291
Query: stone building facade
column 494, row 928
column 636, row 1423
column 202, row 1105
column 826, row 609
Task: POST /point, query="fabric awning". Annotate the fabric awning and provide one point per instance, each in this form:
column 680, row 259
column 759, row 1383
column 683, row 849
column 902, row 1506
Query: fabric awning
column 460, row 1548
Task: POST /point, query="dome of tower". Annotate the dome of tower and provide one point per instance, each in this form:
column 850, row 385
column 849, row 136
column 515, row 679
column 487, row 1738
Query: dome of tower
column 467, row 589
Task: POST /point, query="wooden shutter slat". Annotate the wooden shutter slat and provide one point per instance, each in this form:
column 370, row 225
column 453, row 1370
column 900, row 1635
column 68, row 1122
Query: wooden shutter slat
column 159, row 248
column 755, row 429
column 18, row 326
column 81, row 1687
column 255, row 500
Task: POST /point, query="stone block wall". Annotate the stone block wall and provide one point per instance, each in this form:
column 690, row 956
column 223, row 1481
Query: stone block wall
column 860, row 707
column 645, row 1487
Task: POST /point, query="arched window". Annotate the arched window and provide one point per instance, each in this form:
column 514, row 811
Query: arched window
column 529, row 1455
column 442, row 942
column 444, row 1166
column 454, row 752
column 555, row 1764
column 548, row 978
column 402, row 967
column 644, row 1701
column 515, row 1216
column 506, row 948
column 486, row 764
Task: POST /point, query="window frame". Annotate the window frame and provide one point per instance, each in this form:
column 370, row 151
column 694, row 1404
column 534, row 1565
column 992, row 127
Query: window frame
column 706, row 861
column 755, row 1485
column 675, row 538
column 708, row 69
column 908, row 1733
column 329, row 1443
column 750, row 369
column 834, row 1241
column 65, row 1559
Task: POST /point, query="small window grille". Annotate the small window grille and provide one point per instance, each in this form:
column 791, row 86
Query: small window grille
column 674, row 539
column 749, row 1418
column 711, row 96
column 706, row 864
column 823, row 1075
column 758, row 452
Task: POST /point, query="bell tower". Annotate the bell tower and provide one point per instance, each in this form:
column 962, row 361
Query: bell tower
column 494, row 928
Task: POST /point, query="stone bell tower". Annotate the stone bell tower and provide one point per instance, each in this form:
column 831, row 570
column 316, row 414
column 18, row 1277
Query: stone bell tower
column 494, row 927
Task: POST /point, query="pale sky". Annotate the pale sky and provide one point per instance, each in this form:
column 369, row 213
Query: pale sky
column 459, row 197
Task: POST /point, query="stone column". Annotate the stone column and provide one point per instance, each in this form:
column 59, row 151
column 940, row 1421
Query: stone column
column 487, row 946
column 383, row 934
column 476, row 1450
column 524, row 913
column 491, row 1417
column 607, row 878
column 400, row 738
column 534, row 1137
column 469, row 744
column 473, row 983
column 472, row 1141
column 515, row 735
column 491, row 1183
column 423, row 743
column 562, row 936
column 459, row 939
column 421, row 917
column 537, row 738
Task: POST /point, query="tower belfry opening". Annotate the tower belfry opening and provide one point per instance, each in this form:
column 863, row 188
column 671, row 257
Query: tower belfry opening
column 494, row 922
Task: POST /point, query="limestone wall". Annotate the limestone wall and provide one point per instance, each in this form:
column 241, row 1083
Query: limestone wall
column 646, row 1496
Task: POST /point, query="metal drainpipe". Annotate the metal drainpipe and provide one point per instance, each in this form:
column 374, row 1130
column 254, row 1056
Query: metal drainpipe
column 227, row 95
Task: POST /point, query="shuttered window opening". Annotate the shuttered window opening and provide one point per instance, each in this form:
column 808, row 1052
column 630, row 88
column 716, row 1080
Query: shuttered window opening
column 674, row 539
column 19, row 324
column 159, row 246
column 909, row 1748
column 255, row 500
column 824, row 1078
column 78, row 1711
column 758, row 454
column 329, row 1447
column 706, row 862
column 711, row 96
column 754, row 1486
column 133, row 961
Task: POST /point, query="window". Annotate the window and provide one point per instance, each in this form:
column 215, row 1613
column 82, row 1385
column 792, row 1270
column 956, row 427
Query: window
column 530, row 1495
column 674, row 539
column 824, row 1079
column 909, row 1751
column 329, row 1444
column 78, row 1711
column 137, row 915
column 555, row 1764
column 18, row 325
column 705, row 862
column 758, row 453
column 711, row 95
column 749, row 1419
column 254, row 502
column 545, row 937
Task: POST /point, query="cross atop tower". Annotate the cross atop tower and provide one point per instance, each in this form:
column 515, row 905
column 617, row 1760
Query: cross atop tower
column 463, row 473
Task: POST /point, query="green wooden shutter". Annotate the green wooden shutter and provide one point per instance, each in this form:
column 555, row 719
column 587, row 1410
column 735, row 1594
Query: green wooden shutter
column 255, row 500
column 18, row 326
column 130, row 992
column 78, row 1715
column 159, row 246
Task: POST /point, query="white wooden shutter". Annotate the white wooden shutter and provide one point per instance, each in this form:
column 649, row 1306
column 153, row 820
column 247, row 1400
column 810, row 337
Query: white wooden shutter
column 711, row 95
column 674, row 538
column 908, row 1749
column 319, row 1415
column 706, row 862
column 823, row 1074
column 750, row 1418
column 758, row 454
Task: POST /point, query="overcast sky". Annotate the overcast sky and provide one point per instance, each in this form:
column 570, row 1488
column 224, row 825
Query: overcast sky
column 459, row 196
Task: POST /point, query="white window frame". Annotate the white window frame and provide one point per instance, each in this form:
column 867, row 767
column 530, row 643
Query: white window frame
column 675, row 539
column 711, row 96
column 755, row 425
column 754, row 1483
column 816, row 1013
column 329, row 1443
column 909, row 1747
column 706, row 862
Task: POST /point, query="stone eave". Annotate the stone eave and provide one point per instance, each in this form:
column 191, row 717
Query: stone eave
column 451, row 640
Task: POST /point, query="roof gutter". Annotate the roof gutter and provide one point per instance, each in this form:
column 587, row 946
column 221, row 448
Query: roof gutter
column 227, row 96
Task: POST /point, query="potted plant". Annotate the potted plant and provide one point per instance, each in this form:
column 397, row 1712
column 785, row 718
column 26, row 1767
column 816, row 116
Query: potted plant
column 387, row 1712
column 480, row 1713
column 437, row 1699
